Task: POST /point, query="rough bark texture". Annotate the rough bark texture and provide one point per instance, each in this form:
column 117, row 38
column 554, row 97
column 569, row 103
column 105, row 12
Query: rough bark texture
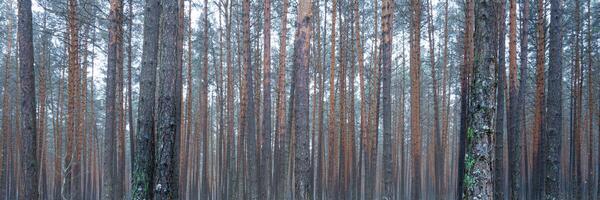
column 110, row 158
column 143, row 167
column 539, row 101
column 302, row 170
column 72, row 161
column 480, row 134
column 551, row 152
column 332, row 141
column 249, row 123
column 265, row 144
column 29, row 159
column 415, row 91
column 387, row 10
column 165, row 178
column 280, row 143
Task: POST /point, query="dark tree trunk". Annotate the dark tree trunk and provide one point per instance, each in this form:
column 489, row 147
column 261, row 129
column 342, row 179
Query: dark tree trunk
column 165, row 178
column 552, row 139
column 539, row 117
column 264, row 176
column 29, row 159
column 517, row 121
column 500, row 182
column 143, row 166
column 114, row 47
column 466, row 74
column 387, row 10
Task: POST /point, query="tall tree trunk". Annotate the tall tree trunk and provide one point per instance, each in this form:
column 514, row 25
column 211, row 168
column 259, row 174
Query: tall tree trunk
column 248, row 127
column 436, row 110
column 539, row 101
column 482, row 103
column 165, row 178
column 265, row 144
column 445, row 110
column 129, row 92
column 58, row 172
column 280, row 124
column 331, row 167
column 552, row 139
column 187, row 121
column 114, row 51
column 465, row 90
column 144, row 163
column 592, row 169
column 6, row 110
column 41, row 123
column 29, row 160
column 576, row 94
column 74, row 135
column 500, row 182
column 387, row 10
column 203, row 114
column 516, row 124
column 302, row 170
column 415, row 91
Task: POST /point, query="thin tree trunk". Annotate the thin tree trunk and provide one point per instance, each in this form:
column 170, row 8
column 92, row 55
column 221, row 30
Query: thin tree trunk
column 264, row 177
column 500, row 182
column 129, row 91
column 331, row 167
column 517, row 123
column 203, row 114
column 6, row 110
column 538, row 128
column 466, row 74
column 445, row 110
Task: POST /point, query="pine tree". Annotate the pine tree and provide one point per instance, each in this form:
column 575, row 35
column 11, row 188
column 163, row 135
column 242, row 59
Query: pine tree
column 415, row 90
column 166, row 186
column 302, row 170
column 553, row 134
column 143, row 166
column 482, row 103
column 29, row 160
column 114, row 47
